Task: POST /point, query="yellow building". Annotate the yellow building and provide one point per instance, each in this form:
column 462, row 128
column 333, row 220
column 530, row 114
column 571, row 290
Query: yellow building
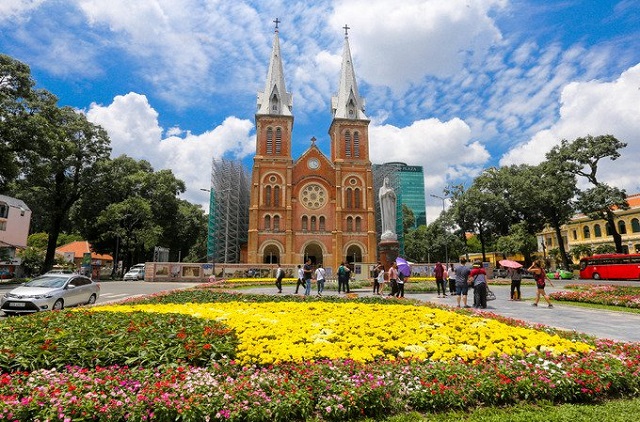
column 582, row 230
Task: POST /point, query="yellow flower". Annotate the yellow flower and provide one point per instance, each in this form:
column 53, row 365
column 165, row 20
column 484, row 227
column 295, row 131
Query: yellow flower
column 274, row 332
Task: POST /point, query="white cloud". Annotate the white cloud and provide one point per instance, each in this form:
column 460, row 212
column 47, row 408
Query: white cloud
column 444, row 150
column 418, row 37
column 14, row 9
column 132, row 125
column 594, row 108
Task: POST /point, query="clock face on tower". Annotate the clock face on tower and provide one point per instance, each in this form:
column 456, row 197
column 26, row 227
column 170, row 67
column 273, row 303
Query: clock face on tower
column 313, row 163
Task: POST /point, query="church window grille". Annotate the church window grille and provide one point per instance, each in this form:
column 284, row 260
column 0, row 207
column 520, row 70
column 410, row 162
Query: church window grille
column 349, row 224
column 267, row 196
column 276, row 196
column 349, row 198
column 276, row 223
column 278, row 140
column 358, row 224
column 356, row 144
column 314, row 221
column 269, row 141
column 321, row 224
column 267, row 222
column 356, row 199
column 305, row 223
column 347, row 144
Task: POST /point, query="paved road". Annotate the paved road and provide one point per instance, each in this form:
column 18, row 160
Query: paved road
column 621, row 326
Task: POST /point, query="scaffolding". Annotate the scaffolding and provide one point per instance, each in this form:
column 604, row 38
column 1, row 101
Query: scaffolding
column 228, row 211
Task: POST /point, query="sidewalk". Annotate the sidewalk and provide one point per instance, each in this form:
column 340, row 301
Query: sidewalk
column 621, row 326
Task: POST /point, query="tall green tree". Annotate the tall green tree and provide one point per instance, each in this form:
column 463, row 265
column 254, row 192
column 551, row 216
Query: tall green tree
column 61, row 168
column 582, row 158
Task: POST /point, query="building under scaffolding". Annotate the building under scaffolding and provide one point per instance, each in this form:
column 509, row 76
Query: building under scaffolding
column 228, row 211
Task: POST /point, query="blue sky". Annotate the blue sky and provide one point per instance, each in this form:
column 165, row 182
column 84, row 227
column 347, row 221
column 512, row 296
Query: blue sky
column 453, row 85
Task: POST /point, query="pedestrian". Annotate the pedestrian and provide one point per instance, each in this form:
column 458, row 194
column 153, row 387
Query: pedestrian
column 478, row 277
column 308, row 274
column 439, row 271
column 343, row 277
column 381, row 280
column 300, row 281
column 452, row 281
column 376, row 284
column 320, row 277
column 402, row 279
column 393, row 278
column 462, row 286
column 516, row 279
column 540, row 276
column 279, row 277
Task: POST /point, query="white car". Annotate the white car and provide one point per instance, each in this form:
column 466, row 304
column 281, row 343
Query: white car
column 50, row 291
column 134, row 274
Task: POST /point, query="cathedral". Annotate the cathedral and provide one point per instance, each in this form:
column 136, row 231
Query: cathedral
column 315, row 206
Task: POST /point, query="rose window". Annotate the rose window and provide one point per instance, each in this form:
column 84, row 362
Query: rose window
column 313, row 196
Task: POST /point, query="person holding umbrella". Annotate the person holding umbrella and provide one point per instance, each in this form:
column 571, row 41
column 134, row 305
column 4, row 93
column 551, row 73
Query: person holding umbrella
column 514, row 271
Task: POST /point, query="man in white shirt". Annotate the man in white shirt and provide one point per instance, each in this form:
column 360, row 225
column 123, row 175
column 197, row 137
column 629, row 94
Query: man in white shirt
column 320, row 277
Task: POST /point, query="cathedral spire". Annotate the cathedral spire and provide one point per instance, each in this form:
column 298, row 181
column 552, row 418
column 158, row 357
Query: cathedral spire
column 347, row 104
column 275, row 100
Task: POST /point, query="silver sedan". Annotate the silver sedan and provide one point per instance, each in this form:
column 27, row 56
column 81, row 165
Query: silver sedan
column 50, row 291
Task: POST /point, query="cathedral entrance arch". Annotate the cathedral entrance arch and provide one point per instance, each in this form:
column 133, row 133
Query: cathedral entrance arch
column 354, row 254
column 271, row 254
column 313, row 251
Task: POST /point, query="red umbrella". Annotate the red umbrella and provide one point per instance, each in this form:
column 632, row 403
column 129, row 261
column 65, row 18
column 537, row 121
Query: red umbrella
column 509, row 263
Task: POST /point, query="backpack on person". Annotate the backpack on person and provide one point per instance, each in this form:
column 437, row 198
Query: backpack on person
column 341, row 271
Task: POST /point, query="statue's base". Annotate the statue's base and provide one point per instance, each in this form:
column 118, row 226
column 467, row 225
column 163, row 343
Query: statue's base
column 388, row 252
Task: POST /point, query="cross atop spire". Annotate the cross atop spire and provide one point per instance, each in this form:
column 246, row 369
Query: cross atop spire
column 346, row 30
column 313, row 140
column 276, row 21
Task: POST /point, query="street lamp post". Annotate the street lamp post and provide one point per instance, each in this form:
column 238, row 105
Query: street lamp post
column 446, row 247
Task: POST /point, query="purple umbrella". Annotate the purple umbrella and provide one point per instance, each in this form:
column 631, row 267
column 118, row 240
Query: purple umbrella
column 403, row 266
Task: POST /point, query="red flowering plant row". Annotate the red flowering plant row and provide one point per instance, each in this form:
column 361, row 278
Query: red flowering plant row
column 168, row 367
column 624, row 296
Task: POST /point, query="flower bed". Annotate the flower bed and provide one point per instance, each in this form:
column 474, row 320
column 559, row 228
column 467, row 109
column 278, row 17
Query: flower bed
column 287, row 361
column 624, row 296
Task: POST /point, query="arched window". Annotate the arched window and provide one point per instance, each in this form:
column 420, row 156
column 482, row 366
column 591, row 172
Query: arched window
column 349, row 198
column 305, row 223
column 267, row 222
column 276, row 196
column 274, row 103
column 349, row 224
column 358, row 224
column 635, row 225
column 267, row 196
column 278, row 140
column 607, row 228
column 356, row 198
column 322, row 224
column 622, row 227
column 347, row 144
column 269, row 141
column 597, row 232
column 4, row 210
column 276, row 223
column 314, row 223
column 356, row 144
column 586, row 233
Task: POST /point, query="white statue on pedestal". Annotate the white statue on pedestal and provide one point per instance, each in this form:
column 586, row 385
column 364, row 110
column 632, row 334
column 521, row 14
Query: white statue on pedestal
column 388, row 210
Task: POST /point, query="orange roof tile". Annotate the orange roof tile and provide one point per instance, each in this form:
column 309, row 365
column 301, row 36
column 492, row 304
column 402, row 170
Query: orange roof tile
column 79, row 248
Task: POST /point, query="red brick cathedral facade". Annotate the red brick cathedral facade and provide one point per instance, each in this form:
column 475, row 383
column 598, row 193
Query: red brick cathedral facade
column 315, row 206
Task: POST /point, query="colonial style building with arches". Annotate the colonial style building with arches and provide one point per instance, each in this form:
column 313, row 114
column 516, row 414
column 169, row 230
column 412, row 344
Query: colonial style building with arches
column 314, row 207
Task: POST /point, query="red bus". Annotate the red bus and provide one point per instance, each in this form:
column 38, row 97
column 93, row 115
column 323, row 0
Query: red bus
column 611, row 267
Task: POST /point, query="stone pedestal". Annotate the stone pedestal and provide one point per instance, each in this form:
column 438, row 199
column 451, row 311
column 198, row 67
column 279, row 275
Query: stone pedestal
column 388, row 252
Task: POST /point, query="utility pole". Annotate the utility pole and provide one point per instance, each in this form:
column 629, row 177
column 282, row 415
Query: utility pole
column 446, row 246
